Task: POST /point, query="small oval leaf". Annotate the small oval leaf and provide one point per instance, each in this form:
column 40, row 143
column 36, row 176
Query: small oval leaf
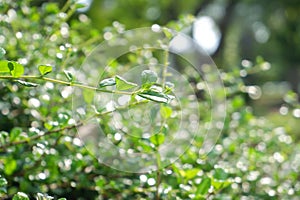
column 44, row 69
column 157, row 139
column 107, row 82
column 20, row 196
column 165, row 112
column 148, row 76
column 204, row 186
column 27, row 84
column 155, row 96
column 122, row 84
column 69, row 75
column 220, row 174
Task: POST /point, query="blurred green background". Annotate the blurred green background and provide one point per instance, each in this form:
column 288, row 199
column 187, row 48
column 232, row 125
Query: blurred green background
column 236, row 33
column 229, row 30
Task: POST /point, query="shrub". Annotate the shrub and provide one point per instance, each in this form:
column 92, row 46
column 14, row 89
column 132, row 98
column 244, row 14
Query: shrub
column 42, row 155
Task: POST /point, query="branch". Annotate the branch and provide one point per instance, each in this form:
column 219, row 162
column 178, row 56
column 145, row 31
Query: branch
column 29, row 77
column 39, row 136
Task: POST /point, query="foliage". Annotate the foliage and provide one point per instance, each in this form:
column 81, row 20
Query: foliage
column 43, row 157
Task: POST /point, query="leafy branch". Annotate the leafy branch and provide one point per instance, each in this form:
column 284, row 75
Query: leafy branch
column 12, row 70
column 150, row 90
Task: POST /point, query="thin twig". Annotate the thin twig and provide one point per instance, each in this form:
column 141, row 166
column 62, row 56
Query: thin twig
column 41, row 135
column 30, row 77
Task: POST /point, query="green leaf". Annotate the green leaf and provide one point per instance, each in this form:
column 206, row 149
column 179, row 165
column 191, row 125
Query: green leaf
column 10, row 166
column 18, row 69
column 168, row 33
column 155, row 96
column 15, row 133
column 27, row 84
column 14, row 68
column 3, row 66
column 165, row 112
column 69, row 75
column 157, row 139
column 191, row 173
column 204, row 186
column 80, row 5
column 148, row 76
column 62, row 199
column 220, row 174
column 2, row 52
column 20, row 196
column 218, row 184
column 122, row 84
column 40, row 196
column 107, row 82
column 11, row 67
column 44, row 69
column 3, row 136
column 3, row 185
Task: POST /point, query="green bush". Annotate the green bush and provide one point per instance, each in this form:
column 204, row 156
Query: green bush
column 42, row 155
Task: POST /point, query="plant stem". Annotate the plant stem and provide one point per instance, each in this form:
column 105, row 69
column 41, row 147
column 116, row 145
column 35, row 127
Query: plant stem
column 39, row 136
column 158, row 158
column 28, row 77
column 165, row 67
column 158, row 174
column 66, row 6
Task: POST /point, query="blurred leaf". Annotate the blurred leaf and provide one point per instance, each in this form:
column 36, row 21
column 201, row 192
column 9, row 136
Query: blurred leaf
column 20, row 196
column 204, row 186
column 291, row 97
column 80, row 5
column 122, row 84
column 191, row 173
column 3, row 136
column 217, row 184
column 107, row 82
column 69, row 75
column 237, row 102
column 2, row 52
column 51, row 8
column 220, row 174
column 10, row 166
column 165, row 112
column 148, row 76
column 27, row 84
column 14, row 134
column 168, row 33
column 40, row 196
column 157, row 139
column 3, row 185
column 44, row 69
